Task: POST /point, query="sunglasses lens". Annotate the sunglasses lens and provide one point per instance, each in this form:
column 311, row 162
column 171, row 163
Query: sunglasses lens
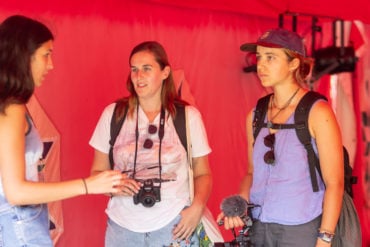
column 269, row 157
column 152, row 129
column 269, row 140
column 148, row 144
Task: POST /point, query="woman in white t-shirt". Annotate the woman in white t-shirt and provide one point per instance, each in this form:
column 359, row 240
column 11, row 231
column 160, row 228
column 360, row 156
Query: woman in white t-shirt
column 154, row 206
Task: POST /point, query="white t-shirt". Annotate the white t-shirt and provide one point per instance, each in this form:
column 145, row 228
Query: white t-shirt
column 174, row 191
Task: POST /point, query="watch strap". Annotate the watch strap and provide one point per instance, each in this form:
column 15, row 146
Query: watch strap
column 325, row 236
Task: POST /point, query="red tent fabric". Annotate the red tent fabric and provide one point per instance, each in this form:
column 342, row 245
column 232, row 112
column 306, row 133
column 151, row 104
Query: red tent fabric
column 202, row 38
column 358, row 10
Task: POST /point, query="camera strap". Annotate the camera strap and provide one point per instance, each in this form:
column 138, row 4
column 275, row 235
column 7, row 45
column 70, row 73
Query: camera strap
column 160, row 135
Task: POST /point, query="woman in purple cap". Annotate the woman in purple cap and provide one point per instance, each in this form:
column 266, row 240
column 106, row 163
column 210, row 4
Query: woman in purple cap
column 278, row 179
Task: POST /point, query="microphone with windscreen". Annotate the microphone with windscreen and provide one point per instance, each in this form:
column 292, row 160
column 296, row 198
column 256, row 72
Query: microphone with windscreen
column 237, row 206
column 234, row 206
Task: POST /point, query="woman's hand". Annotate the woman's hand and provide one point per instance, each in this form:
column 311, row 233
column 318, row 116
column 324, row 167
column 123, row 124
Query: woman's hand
column 230, row 222
column 127, row 186
column 190, row 218
column 104, row 182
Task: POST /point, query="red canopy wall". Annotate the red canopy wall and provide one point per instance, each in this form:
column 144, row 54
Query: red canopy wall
column 93, row 41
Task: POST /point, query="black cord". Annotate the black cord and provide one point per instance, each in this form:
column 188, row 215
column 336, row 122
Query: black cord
column 160, row 135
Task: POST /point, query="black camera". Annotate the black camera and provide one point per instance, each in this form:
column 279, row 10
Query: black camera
column 148, row 194
column 241, row 240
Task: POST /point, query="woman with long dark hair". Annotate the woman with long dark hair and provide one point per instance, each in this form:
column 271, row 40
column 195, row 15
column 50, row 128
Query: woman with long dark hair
column 26, row 46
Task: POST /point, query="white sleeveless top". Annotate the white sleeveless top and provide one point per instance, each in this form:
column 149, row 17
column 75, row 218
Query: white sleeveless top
column 34, row 148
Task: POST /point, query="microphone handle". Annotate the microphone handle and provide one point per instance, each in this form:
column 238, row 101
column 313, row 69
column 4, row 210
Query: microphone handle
column 243, row 217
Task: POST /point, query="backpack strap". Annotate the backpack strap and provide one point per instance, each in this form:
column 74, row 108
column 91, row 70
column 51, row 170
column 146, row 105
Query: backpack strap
column 301, row 121
column 259, row 114
column 180, row 124
column 116, row 125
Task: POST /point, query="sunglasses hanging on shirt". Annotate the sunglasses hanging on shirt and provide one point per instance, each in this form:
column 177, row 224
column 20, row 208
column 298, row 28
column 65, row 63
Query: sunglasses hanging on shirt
column 269, row 156
column 148, row 143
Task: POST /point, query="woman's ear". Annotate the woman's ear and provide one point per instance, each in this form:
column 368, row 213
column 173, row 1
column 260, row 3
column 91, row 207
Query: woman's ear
column 294, row 64
column 166, row 72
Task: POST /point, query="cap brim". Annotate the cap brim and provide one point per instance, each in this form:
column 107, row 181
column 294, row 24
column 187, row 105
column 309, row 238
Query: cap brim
column 248, row 47
column 252, row 46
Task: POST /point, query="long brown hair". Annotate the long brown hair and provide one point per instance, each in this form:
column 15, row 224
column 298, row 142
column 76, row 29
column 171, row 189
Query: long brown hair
column 169, row 95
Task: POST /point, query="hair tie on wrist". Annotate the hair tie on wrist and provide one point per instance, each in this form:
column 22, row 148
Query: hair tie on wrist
column 325, row 230
column 86, row 191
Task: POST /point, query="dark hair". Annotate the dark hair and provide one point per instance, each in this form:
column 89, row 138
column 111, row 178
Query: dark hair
column 168, row 95
column 20, row 37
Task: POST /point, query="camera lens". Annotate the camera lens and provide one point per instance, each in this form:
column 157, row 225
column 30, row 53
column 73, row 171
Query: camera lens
column 148, row 195
column 148, row 201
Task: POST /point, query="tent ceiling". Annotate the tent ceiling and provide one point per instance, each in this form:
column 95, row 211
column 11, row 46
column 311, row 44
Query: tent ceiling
column 358, row 9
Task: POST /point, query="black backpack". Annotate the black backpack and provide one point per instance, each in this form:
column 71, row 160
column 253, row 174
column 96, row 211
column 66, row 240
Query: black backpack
column 119, row 116
column 301, row 127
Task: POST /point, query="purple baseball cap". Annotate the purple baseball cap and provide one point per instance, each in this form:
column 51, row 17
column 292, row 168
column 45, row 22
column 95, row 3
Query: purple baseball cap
column 278, row 38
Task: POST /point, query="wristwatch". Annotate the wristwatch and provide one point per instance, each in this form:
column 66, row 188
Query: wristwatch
column 325, row 236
